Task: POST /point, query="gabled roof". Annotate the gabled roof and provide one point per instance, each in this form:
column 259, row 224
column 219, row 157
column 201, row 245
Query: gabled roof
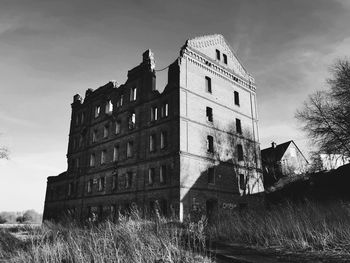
column 202, row 42
column 276, row 153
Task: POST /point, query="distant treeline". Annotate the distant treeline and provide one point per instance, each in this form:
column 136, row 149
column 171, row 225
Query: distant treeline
column 29, row 216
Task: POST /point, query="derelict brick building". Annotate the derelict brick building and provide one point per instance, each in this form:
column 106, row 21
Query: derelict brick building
column 181, row 150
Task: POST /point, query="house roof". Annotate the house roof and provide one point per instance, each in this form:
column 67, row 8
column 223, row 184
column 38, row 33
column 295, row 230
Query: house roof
column 276, row 153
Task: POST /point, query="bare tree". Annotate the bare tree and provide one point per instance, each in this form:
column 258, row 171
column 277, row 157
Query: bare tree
column 326, row 114
column 242, row 150
column 4, row 152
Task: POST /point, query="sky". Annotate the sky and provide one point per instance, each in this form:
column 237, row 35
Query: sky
column 51, row 50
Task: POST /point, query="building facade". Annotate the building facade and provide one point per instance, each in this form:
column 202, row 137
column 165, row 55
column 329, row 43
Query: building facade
column 191, row 147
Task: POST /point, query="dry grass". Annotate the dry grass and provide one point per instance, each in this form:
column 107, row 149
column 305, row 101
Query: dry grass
column 130, row 240
column 308, row 226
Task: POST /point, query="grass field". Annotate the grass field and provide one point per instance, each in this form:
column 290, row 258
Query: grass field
column 131, row 240
column 310, row 226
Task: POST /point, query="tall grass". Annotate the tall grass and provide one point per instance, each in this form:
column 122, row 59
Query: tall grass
column 306, row 226
column 130, row 240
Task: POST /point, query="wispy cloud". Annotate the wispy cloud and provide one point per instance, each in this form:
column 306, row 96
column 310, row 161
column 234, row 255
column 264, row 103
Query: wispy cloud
column 4, row 118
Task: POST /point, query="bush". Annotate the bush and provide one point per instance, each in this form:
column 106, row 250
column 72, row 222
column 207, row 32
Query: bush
column 2, row 220
column 8, row 217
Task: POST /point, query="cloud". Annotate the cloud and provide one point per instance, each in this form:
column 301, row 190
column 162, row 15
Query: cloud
column 18, row 121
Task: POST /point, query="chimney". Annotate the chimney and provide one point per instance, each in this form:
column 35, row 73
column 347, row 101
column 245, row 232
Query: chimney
column 88, row 92
column 273, row 145
column 148, row 58
column 77, row 98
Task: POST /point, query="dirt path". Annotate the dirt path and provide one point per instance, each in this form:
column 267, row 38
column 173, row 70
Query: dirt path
column 235, row 253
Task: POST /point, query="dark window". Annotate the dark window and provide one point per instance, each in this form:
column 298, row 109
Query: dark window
column 94, row 136
column 151, row 174
column 129, row 149
column 132, row 120
column 97, row 111
column 162, row 174
column 80, row 143
column 163, row 139
column 209, row 114
column 154, row 114
column 105, row 131
column 236, row 98
column 208, row 84
column 70, row 189
column 238, row 126
column 211, row 176
column 109, row 107
column 116, row 153
column 165, row 110
column 210, row 144
column 103, row 156
column 225, row 58
column 152, row 142
column 114, row 181
column 120, row 100
column 133, row 93
column 101, row 183
column 118, row 126
column 217, row 54
column 92, row 159
column 240, row 152
column 242, row 182
column 89, row 186
column 128, row 181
